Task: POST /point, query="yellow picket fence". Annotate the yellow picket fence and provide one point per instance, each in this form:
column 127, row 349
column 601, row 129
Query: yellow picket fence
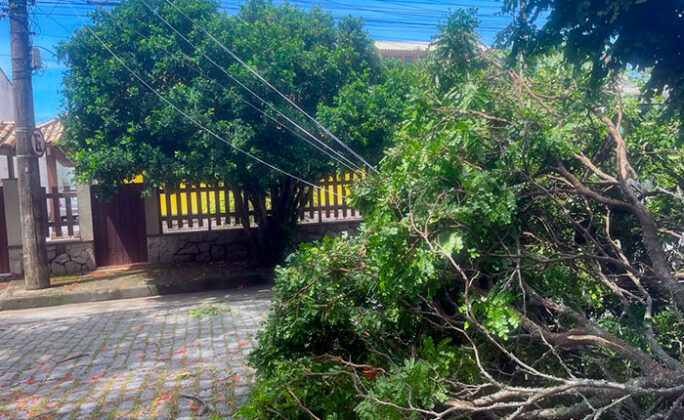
column 212, row 206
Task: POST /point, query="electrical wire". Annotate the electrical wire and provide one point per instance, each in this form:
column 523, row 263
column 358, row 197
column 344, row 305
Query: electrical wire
column 255, row 73
column 199, row 71
column 240, row 97
column 413, row 19
column 234, row 79
column 188, row 117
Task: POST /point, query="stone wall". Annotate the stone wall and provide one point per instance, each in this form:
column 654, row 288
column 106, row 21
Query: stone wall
column 309, row 232
column 217, row 245
column 227, row 244
column 75, row 256
column 69, row 256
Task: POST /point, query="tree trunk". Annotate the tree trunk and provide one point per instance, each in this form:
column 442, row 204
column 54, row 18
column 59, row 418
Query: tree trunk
column 275, row 223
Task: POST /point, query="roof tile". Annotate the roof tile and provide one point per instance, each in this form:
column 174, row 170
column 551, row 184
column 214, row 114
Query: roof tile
column 52, row 131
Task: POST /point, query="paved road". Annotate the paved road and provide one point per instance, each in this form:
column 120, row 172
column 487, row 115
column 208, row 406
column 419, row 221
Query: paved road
column 138, row 358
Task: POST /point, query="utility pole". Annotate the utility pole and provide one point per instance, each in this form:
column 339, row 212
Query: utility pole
column 36, row 274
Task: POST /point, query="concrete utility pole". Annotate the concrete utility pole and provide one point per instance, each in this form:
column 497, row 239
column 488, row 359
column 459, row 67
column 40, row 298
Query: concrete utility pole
column 36, row 274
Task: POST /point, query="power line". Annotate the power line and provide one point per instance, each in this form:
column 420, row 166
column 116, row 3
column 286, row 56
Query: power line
column 197, row 69
column 200, row 125
column 268, row 84
column 233, row 78
column 410, row 16
column 248, row 67
column 369, row 22
column 241, row 98
column 400, row 7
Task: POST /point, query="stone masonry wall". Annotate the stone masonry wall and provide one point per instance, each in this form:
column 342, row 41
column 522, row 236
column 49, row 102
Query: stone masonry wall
column 309, row 232
column 227, row 244
column 217, row 245
column 69, row 257
column 63, row 257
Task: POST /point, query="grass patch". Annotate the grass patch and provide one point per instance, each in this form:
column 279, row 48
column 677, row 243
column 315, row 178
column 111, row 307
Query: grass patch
column 208, row 309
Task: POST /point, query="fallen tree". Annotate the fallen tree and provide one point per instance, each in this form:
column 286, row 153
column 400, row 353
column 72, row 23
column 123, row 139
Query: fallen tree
column 521, row 258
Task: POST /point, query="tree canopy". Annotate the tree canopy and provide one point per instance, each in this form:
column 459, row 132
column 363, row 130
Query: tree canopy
column 611, row 34
column 519, row 258
column 119, row 136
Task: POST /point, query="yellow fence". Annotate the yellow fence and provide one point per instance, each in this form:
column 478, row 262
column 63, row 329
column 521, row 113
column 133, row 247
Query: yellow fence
column 188, row 202
column 213, row 206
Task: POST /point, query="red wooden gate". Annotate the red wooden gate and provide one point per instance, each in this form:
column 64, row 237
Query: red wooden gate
column 119, row 227
column 4, row 251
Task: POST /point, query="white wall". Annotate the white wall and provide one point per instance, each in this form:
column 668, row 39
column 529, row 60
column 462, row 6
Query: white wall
column 6, row 98
column 4, row 174
column 65, row 175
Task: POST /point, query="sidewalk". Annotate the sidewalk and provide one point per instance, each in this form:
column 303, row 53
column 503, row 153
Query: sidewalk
column 170, row 357
column 131, row 282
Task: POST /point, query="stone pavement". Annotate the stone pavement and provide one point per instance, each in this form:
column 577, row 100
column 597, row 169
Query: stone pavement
column 181, row 356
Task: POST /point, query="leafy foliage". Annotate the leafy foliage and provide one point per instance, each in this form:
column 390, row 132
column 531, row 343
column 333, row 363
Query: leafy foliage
column 611, row 34
column 509, row 263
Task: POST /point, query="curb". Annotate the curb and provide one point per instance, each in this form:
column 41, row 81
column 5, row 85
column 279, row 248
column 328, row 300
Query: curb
column 133, row 292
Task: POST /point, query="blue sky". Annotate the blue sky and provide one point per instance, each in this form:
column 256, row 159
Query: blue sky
column 404, row 20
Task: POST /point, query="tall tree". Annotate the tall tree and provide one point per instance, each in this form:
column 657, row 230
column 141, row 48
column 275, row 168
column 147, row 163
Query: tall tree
column 646, row 35
column 117, row 128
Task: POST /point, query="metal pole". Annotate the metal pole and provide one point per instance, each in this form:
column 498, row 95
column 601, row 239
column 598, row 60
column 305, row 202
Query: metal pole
column 36, row 274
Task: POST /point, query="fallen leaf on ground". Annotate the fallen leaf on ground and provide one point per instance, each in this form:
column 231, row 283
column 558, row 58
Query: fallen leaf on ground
column 30, row 381
column 243, row 343
column 94, row 378
column 141, row 356
column 181, row 351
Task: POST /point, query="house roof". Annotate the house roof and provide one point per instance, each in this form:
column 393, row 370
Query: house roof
column 52, row 131
column 402, row 46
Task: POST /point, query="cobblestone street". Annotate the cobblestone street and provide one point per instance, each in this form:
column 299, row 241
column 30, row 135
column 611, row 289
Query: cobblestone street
column 163, row 357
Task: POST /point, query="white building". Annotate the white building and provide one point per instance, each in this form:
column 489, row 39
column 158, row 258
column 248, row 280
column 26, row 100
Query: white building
column 406, row 51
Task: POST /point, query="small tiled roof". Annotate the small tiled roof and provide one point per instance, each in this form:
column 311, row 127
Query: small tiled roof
column 402, row 46
column 52, row 131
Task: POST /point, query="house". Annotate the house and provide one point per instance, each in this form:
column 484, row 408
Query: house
column 406, row 51
column 55, row 168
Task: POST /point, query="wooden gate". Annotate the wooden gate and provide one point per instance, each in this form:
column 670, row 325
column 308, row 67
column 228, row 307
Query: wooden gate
column 4, row 251
column 119, row 227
